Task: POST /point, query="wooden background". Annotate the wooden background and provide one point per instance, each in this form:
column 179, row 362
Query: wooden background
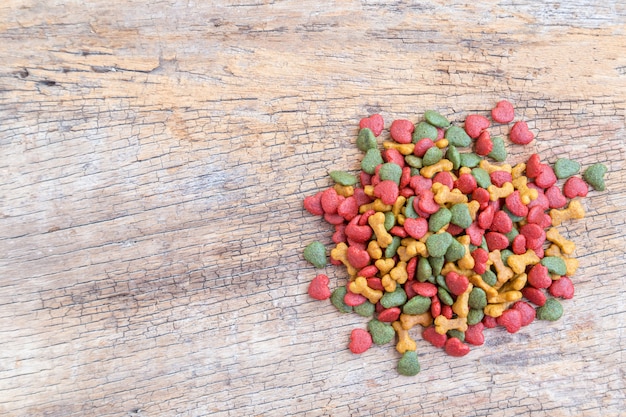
column 154, row 158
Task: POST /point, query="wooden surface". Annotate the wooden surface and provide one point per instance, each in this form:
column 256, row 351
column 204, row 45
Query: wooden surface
column 154, row 161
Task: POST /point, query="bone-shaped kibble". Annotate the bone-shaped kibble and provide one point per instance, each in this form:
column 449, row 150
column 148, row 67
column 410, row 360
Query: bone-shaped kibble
column 526, row 194
column 400, row 218
column 451, row 266
column 398, row 273
column 460, row 306
column 376, row 205
column 518, row 263
column 478, row 281
column 575, row 210
column 431, row 170
column 442, row 143
column 369, row 190
column 571, row 264
column 518, row 170
column 377, row 223
column 484, row 164
column 403, row 148
column 473, row 207
column 505, row 296
column 518, row 282
column 388, row 283
column 495, row 310
column 340, row 253
column 496, row 193
column 359, row 286
column 344, row 190
column 410, row 248
column 467, row 261
column 503, row 272
column 405, row 342
column 443, row 195
column 374, row 250
column 443, row 324
column 411, row 320
column 385, row 265
column 398, row 205
column 567, row 246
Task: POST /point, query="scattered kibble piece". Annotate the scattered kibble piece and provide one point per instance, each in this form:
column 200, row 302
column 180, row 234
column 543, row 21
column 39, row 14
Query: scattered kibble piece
column 445, row 240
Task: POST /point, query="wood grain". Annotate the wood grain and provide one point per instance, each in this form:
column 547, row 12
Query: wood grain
column 154, row 160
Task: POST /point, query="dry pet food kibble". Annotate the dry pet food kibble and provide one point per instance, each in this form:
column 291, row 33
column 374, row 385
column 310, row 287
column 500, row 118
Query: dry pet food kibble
column 448, row 240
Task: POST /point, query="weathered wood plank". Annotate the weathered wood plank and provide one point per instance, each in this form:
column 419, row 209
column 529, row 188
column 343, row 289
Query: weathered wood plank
column 154, row 160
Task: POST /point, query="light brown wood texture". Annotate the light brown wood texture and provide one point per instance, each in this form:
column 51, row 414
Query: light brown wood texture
column 155, row 156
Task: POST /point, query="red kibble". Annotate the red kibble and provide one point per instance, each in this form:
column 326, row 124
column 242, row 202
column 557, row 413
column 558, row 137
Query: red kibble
column 498, row 178
column 387, row 191
column 539, row 277
column 358, row 233
column 375, row 283
column 454, row 230
column 441, row 132
column 575, row 187
column 457, row 283
column 454, row 347
column 501, row 223
column 482, row 196
column 416, row 228
column 541, row 201
column 435, row 306
column 389, row 315
column 430, row 335
column 393, row 155
column 466, row 183
column 333, row 218
column 562, row 287
column 546, row 178
column 444, row 178
column 361, row 197
column 556, row 199
column 358, row 258
column 520, row 134
column 348, row 209
column 365, row 178
column 533, row 166
column 318, row 288
column 496, row 241
column 485, row 217
column 475, row 233
column 425, row 289
column 340, row 233
column 313, row 204
column 363, row 220
column 420, row 184
column 360, row 341
column 511, row 320
column 514, row 204
column 375, row 123
column 537, row 216
column 422, row 146
column 519, row 245
column 398, row 231
column 411, row 266
column 527, row 312
column 368, row 272
column 481, row 257
column 446, row 311
column 483, row 145
column 351, row 299
column 503, row 112
column 475, row 124
column 427, row 202
column 401, row 131
column 534, row 295
column 489, row 322
column 474, row 334
column 330, row 200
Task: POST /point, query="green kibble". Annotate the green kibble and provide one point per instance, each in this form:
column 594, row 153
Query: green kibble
column 552, row 310
column 432, row 156
column 438, row 244
column 343, row 178
column 336, row 298
column 365, row 310
column 564, row 168
column 470, row 160
column 489, row 277
column 513, row 217
column 436, row 118
column 594, row 175
column 439, row 219
column 408, row 365
column 456, row 136
column 390, row 220
column 453, row 155
column 456, row 333
column 414, row 161
column 460, row 215
column 424, row 130
column 483, row 244
column 371, row 160
column 382, row 333
column 415, row 171
column 409, row 211
column 474, row 316
column 424, row 270
column 366, row 140
column 436, row 262
column 315, row 253
column 416, row 305
column 394, row 299
column 504, row 255
column 441, row 281
column 498, row 152
column 477, row 298
column 390, row 250
column 390, row 171
column 512, row 234
column 455, row 251
column 555, row 265
column 482, row 177
column 444, row 296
